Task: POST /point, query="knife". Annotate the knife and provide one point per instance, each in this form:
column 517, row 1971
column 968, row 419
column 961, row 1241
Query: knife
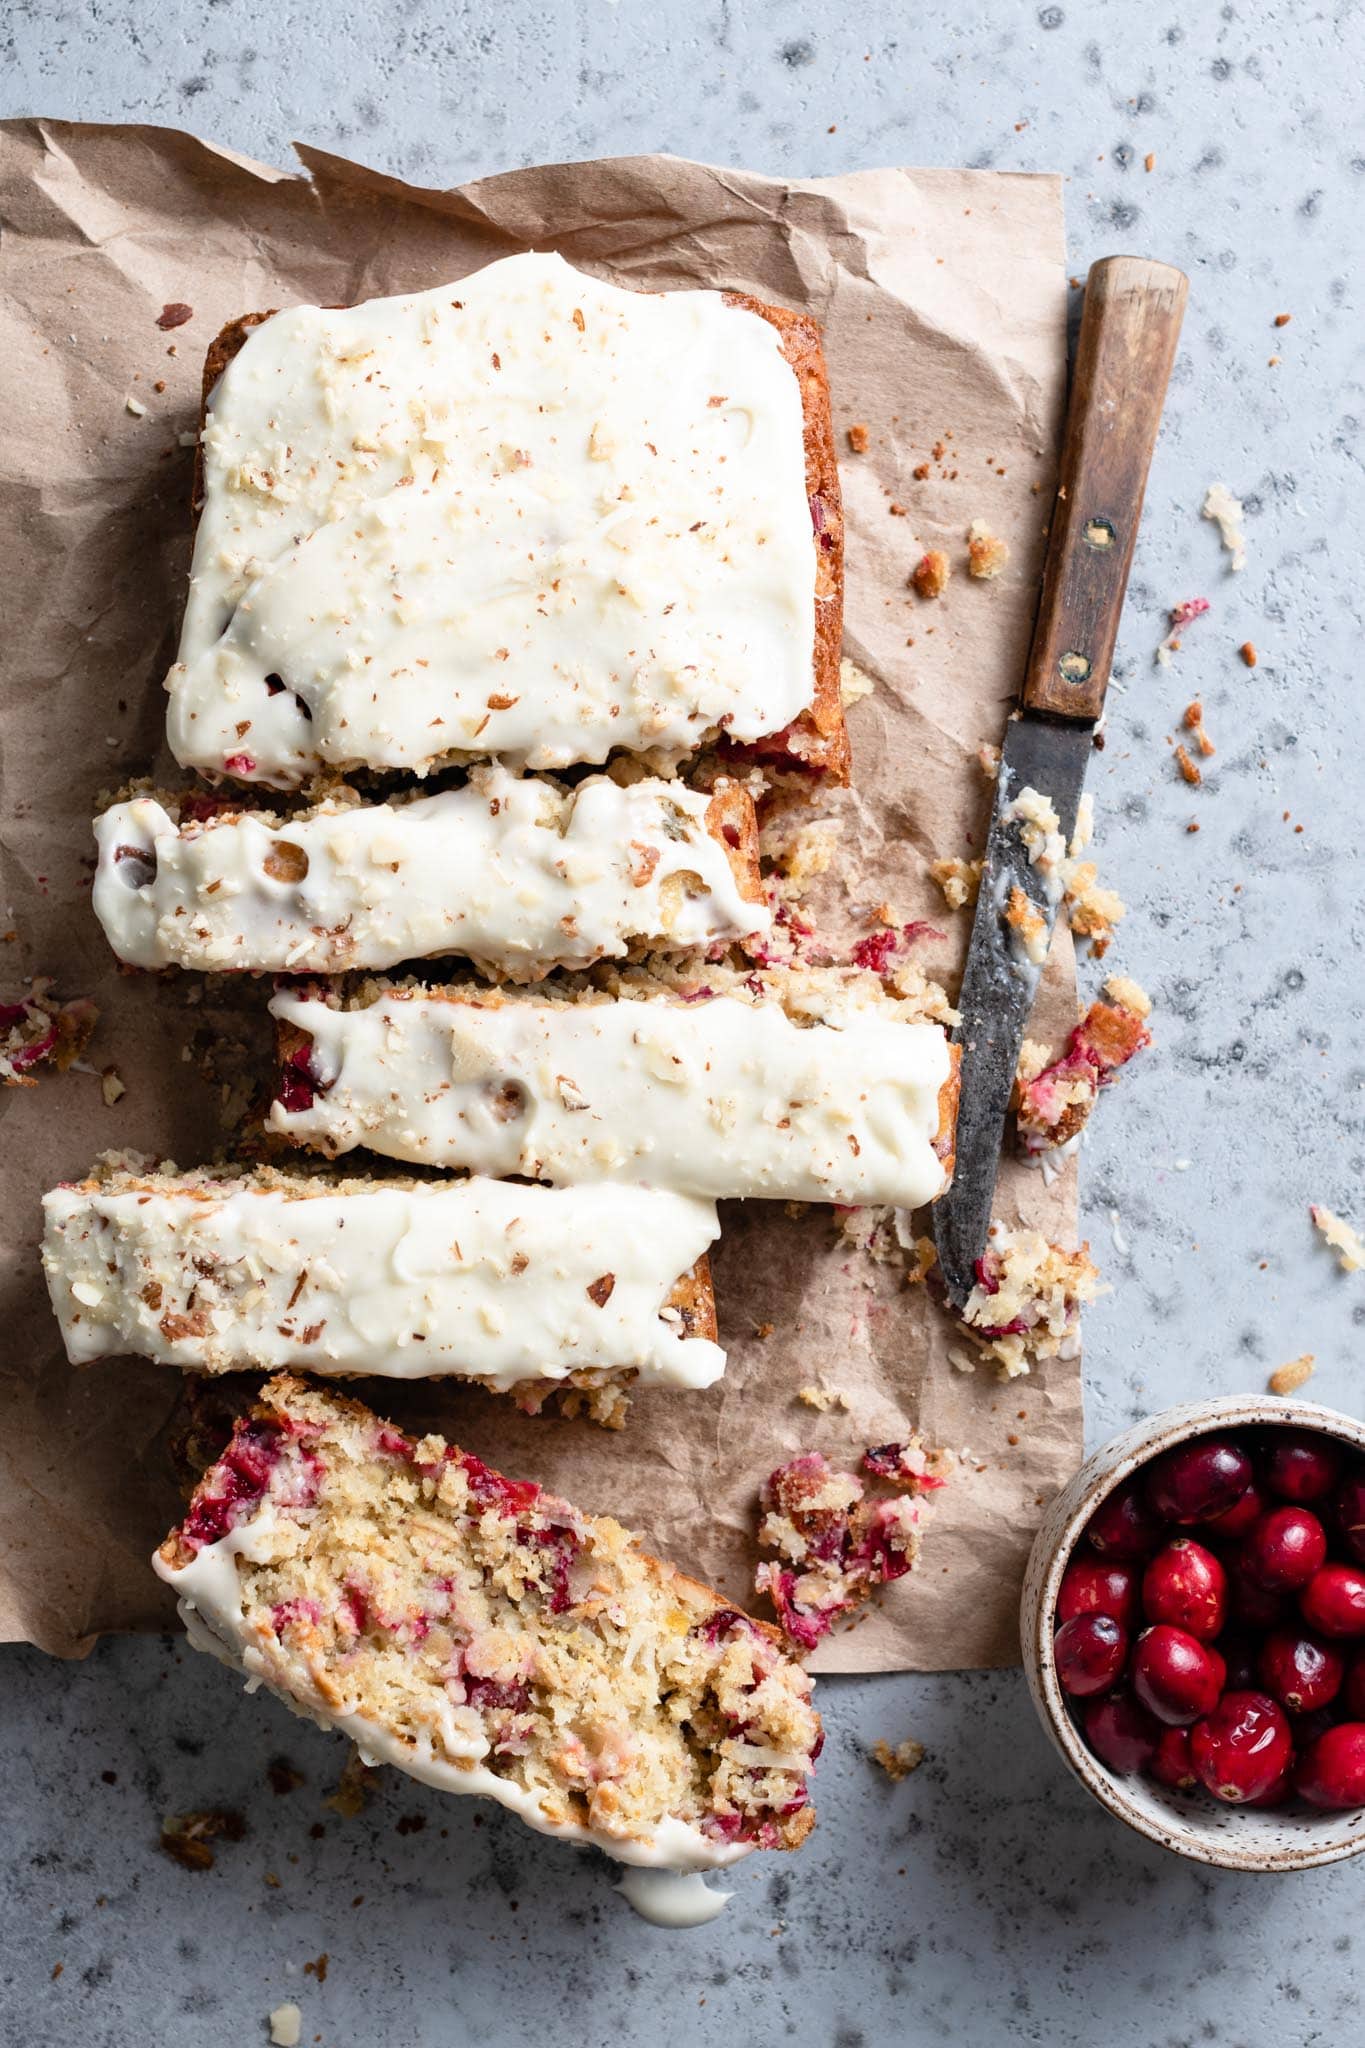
column 1129, row 330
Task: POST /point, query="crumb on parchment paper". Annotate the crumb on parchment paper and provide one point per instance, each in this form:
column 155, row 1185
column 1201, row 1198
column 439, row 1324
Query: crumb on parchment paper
column 1025, row 1307
column 1053, row 1102
column 929, row 577
column 821, row 1398
column 1287, row 1378
column 858, row 438
column 898, row 1762
column 1341, row 1235
column 987, row 554
column 958, row 879
column 854, row 683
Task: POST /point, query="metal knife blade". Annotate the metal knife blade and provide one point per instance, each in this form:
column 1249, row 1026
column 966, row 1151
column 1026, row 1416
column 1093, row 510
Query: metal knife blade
column 1000, row 983
column 1131, row 322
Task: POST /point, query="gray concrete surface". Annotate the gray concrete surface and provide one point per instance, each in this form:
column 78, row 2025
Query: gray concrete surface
column 984, row 1900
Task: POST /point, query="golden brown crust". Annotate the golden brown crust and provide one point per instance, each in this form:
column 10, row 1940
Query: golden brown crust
column 732, row 819
column 948, row 1094
column 816, row 743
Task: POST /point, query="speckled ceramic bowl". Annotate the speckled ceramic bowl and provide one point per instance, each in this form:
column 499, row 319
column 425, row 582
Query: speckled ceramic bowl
column 1237, row 1838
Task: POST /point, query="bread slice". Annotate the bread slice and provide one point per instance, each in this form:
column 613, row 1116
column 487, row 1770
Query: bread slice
column 518, row 874
column 711, row 1094
column 284, row 741
column 488, row 1638
column 411, row 1279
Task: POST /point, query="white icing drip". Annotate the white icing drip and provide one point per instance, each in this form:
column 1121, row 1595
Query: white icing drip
column 716, row 1098
column 512, row 873
column 476, row 1278
column 672, row 1898
column 210, row 1603
column 528, row 514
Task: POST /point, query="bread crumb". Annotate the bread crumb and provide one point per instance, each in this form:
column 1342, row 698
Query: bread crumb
column 1248, row 653
column 1289, row 1377
column 1182, row 615
column 1053, row 1104
column 1028, row 925
column 1226, row 513
column 1128, row 994
column 822, row 1399
column 353, row 1788
column 854, row 683
column 1149, row 161
column 185, row 1837
column 858, row 438
column 286, row 2026
column 1283, row 319
column 958, row 879
column 898, row 1763
column 1341, row 1235
column 929, row 577
column 987, row 554
column 1188, row 768
column 1025, row 1308
column 111, row 1086
column 135, row 407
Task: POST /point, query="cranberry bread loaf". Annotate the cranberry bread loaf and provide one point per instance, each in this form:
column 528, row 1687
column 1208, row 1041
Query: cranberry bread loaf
column 516, row 874
column 721, row 1095
column 528, row 515
column 480, row 1279
column 488, row 1638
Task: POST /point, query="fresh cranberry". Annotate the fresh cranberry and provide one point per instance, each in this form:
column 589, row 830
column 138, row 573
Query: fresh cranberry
column 1089, row 1651
column 1252, row 1604
column 1198, row 1479
column 1242, row 1747
column 1284, row 1549
column 1093, row 1587
column 1350, row 1514
column 1333, row 1601
column 1121, row 1733
column 1175, row 1676
column 1185, row 1585
column 1301, row 1466
column 1303, row 1673
column 1234, row 1522
column 1353, row 1692
column 1172, row 1764
column 299, row 1083
column 1308, row 1727
column 1332, row 1772
column 1123, row 1526
column 1278, row 1794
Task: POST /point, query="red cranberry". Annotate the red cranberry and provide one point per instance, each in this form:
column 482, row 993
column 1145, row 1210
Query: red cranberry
column 1172, row 1764
column 1123, row 1526
column 1175, row 1676
column 1350, row 1514
column 1242, row 1748
column 1089, row 1650
column 1091, row 1586
column 1198, row 1479
column 1252, row 1604
column 1332, row 1772
column 1185, row 1585
column 1236, row 1520
column 1121, row 1733
column 1333, row 1601
column 1301, row 1672
column 1353, row 1693
column 1278, row 1794
column 1301, row 1466
column 1284, row 1549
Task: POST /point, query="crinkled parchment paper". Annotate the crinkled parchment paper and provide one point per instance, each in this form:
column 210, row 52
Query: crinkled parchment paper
column 941, row 295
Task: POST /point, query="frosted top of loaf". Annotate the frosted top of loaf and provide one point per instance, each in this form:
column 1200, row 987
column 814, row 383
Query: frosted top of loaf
column 527, row 514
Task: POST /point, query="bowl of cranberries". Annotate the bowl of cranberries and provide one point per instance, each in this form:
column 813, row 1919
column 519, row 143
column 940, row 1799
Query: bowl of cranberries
column 1194, row 1631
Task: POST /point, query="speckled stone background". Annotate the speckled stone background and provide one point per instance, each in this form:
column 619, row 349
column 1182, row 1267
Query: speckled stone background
column 984, row 1900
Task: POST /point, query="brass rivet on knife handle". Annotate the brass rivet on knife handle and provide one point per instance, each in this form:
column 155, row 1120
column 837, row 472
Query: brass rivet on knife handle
column 1129, row 330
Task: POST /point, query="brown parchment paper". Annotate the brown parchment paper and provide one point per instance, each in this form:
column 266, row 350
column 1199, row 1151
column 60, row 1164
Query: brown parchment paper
column 941, row 295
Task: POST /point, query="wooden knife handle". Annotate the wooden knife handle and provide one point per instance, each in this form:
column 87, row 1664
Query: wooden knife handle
column 1129, row 330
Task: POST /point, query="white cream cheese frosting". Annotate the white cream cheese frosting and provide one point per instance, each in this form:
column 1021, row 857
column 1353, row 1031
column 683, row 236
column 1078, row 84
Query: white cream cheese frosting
column 475, row 1278
column 513, row 873
column 527, row 514
column 210, row 1602
column 720, row 1097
